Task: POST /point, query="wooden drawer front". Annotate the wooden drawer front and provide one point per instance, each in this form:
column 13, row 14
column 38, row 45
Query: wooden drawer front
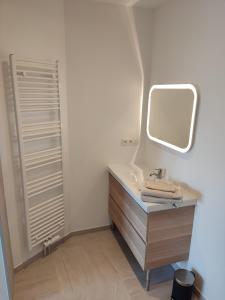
column 136, row 216
column 170, row 224
column 169, row 236
column 167, row 252
column 134, row 241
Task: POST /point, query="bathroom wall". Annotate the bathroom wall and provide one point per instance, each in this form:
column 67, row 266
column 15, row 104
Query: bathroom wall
column 104, row 83
column 189, row 47
column 29, row 29
column 104, row 99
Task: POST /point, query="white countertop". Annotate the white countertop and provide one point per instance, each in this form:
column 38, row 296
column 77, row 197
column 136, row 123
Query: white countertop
column 124, row 174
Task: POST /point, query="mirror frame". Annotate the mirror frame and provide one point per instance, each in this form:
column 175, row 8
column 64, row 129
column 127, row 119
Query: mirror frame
column 179, row 87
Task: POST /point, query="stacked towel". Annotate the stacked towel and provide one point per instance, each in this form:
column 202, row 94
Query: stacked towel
column 160, row 191
column 161, row 185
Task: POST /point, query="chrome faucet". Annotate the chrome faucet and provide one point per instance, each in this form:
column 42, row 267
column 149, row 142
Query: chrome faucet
column 158, row 173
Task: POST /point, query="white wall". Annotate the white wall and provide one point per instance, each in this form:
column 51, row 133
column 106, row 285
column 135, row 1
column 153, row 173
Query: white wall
column 29, row 29
column 104, row 90
column 189, row 47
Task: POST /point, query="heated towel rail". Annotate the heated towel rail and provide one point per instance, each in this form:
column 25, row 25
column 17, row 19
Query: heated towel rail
column 35, row 86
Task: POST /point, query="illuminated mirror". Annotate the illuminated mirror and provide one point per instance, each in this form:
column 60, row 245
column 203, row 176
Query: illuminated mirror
column 171, row 115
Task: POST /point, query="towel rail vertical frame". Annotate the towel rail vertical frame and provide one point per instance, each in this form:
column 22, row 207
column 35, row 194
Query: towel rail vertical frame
column 63, row 133
column 15, row 92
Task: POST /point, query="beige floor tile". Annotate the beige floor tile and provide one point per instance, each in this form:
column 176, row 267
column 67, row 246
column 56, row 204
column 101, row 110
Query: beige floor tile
column 86, row 267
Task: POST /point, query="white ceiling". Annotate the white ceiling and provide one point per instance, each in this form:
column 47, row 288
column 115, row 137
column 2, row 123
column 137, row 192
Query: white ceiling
column 150, row 3
column 142, row 3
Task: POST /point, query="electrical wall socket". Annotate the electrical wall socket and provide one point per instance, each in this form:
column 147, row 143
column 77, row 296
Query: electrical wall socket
column 128, row 142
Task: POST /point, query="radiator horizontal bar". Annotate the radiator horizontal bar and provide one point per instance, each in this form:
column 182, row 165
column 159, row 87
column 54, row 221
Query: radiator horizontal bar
column 36, row 162
column 39, row 96
column 42, row 73
column 29, row 104
column 46, row 233
column 58, row 211
column 34, row 159
column 43, row 222
column 40, row 123
column 47, row 210
column 44, row 165
column 41, row 152
column 36, row 68
column 39, row 109
column 40, row 126
column 41, row 131
column 42, row 137
column 37, row 89
column 47, row 213
column 36, row 92
column 38, row 132
column 36, row 182
column 50, row 234
column 31, row 190
column 45, row 129
column 35, row 76
column 37, row 80
column 35, row 84
column 35, row 62
column 40, row 99
column 41, row 184
column 46, row 189
column 44, row 177
column 41, row 205
column 40, row 233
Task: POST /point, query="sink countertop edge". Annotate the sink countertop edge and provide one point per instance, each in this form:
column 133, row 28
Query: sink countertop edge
column 121, row 174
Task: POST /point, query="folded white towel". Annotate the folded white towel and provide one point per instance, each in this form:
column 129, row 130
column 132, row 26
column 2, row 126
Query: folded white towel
column 161, row 200
column 162, row 194
column 160, row 185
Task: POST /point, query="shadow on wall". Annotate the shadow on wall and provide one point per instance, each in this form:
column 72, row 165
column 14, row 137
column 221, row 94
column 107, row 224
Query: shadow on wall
column 130, row 23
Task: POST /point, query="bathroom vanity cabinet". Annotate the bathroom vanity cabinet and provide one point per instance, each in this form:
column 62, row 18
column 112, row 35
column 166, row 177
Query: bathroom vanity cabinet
column 156, row 238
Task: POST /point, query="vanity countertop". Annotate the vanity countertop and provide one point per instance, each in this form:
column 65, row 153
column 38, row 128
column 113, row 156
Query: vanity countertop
column 123, row 174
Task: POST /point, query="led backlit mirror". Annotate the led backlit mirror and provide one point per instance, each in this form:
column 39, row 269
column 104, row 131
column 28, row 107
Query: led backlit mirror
column 171, row 115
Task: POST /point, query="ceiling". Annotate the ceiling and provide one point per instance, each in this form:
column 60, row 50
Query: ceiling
column 142, row 3
column 149, row 3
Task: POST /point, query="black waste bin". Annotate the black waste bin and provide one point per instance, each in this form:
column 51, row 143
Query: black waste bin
column 183, row 285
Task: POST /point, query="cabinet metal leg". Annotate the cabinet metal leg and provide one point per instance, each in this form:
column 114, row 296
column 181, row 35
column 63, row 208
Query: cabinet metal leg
column 148, row 280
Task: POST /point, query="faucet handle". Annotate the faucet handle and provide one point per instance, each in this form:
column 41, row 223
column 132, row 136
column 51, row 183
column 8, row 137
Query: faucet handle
column 158, row 173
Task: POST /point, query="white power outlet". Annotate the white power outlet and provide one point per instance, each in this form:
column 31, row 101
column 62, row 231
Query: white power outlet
column 128, row 142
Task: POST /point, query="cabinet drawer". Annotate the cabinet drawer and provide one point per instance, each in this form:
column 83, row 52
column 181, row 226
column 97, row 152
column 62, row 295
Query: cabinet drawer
column 136, row 215
column 169, row 236
column 134, row 241
column 170, row 224
column 167, row 252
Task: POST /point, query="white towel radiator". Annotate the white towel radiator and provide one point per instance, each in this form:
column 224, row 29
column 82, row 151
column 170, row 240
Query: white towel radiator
column 36, row 92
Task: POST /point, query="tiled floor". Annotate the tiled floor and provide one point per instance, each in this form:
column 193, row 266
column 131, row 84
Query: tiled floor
column 86, row 267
